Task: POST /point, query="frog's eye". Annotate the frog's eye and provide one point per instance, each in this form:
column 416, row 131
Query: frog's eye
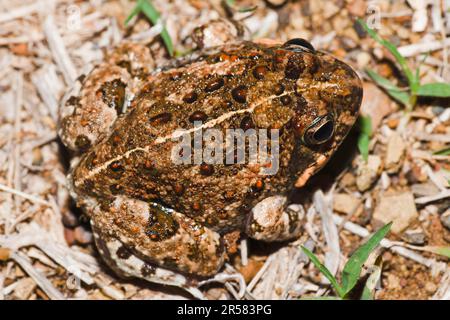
column 298, row 45
column 320, row 131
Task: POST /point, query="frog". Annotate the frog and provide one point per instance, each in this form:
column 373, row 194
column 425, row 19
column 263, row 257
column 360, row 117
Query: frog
column 176, row 224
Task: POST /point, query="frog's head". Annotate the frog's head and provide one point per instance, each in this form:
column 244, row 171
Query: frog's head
column 329, row 94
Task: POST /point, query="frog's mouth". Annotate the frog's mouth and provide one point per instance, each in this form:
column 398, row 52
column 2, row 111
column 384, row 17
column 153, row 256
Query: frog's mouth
column 310, row 171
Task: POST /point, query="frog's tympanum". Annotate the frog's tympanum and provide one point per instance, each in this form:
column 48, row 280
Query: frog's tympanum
column 167, row 222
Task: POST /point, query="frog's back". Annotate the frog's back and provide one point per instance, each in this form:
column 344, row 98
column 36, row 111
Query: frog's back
column 244, row 86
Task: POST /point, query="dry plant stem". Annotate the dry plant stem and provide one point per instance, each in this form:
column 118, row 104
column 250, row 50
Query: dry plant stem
column 17, row 145
column 443, row 292
column 59, row 51
column 225, row 277
column 444, row 192
column 244, row 252
column 260, row 273
column 423, row 47
column 444, row 138
column 80, row 264
column 24, row 195
column 37, row 276
column 21, row 11
column 323, row 204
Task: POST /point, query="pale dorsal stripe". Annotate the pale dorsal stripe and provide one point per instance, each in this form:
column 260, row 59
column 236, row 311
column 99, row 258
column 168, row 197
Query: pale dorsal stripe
column 179, row 133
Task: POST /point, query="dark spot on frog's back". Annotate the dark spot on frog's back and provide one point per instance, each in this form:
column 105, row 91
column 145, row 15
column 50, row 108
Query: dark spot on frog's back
column 116, row 169
column 191, row 97
column 113, row 94
column 214, row 84
column 239, row 94
column 206, row 169
column 178, row 188
column 260, row 72
column 161, row 118
column 198, row 116
column 247, row 123
column 278, row 89
column 294, row 67
column 285, row 100
column 116, row 189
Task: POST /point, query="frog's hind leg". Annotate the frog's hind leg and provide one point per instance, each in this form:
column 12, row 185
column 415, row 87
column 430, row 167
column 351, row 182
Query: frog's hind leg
column 273, row 220
column 124, row 263
column 134, row 234
column 88, row 111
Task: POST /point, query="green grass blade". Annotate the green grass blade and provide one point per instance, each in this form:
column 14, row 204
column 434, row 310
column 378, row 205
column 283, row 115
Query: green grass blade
column 352, row 268
column 442, row 152
column 363, row 146
column 441, row 250
column 365, row 126
column 395, row 92
column 134, row 12
column 324, row 270
column 438, row 89
column 146, row 7
column 412, row 80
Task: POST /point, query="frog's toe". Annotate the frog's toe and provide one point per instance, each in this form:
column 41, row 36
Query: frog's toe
column 272, row 220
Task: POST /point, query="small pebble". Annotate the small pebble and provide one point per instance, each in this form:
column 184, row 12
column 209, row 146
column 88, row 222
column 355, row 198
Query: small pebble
column 394, row 153
column 357, row 8
column 69, row 236
column 398, row 208
column 4, row 254
column 83, row 236
column 393, row 123
column 368, row 173
column 415, row 237
column 69, row 219
column 445, row 218
column 363, row 59
column 430, row 287
column 346, row 203
column 437, row 110
column 348, row 180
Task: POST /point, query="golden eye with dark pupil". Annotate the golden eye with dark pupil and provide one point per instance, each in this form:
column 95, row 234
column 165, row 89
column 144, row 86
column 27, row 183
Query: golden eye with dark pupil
column 320, row 131
column 299, row 45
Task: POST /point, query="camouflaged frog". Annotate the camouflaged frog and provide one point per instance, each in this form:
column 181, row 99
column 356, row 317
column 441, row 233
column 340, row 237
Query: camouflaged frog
column 171, row 223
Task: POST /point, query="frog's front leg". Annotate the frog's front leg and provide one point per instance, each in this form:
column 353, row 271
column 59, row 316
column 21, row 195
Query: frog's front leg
column 273, row 220
column 136, row 233
column 88, row 111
